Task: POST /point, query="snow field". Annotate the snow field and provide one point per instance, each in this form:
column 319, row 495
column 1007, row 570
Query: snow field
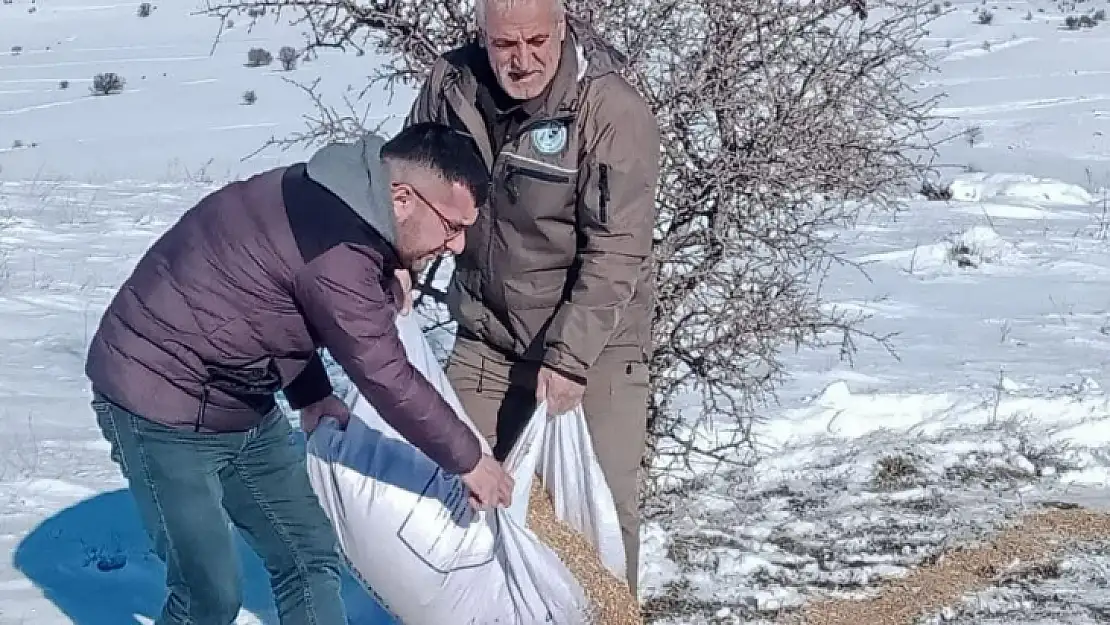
column 998, row 301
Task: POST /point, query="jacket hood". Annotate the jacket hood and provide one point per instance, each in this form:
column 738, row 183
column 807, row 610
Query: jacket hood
column 356, row 174
column 596, row 56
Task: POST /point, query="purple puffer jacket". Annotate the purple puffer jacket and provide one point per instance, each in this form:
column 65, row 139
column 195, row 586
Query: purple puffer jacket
column 229, row 306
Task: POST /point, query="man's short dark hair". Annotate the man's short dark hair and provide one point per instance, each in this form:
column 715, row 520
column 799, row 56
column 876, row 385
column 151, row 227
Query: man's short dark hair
column 446, row 151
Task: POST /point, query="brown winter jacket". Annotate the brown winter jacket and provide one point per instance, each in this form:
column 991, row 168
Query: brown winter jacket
column 558, row 266
column 229, row 306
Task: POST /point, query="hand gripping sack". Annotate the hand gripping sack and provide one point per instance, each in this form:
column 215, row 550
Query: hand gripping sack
column 411, row 538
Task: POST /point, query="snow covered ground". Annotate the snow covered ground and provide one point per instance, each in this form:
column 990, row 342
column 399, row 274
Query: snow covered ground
column 1000, row 298
column 996, row 402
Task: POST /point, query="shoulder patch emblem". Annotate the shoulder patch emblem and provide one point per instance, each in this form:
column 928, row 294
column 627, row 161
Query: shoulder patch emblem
column 549, row 138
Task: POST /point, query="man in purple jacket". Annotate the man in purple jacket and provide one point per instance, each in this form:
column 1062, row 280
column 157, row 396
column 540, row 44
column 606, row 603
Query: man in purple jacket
column 228, row 308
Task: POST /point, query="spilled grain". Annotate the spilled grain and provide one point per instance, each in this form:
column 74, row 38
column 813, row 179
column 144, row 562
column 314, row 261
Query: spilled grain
column 1033, row 541
column 612, row 600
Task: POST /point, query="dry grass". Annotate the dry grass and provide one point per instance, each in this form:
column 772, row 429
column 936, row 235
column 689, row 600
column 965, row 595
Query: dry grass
column 1032, row 541
column 612, row 599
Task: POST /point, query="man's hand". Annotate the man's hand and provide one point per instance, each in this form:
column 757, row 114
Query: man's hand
column 330, row 406
column 405, row 278
column 490, row 486
column 561, row 393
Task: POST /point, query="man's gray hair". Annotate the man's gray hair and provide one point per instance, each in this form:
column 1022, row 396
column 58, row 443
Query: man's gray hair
column 482, row 7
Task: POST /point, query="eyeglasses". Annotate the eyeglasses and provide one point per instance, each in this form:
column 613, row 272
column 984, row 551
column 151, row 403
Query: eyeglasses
column 451, row 228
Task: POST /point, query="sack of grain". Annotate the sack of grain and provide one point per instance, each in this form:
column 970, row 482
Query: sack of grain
column 412, row 539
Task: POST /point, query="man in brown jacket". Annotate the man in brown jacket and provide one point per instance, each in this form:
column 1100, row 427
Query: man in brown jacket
column 553, row 292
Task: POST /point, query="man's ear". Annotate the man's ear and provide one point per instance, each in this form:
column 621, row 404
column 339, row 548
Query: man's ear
column 402, row 198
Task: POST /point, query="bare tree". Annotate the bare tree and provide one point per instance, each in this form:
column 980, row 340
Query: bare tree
column 781, row 120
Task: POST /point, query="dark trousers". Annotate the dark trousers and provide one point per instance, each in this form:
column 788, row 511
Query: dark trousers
column 188, row 486
column 499, row 395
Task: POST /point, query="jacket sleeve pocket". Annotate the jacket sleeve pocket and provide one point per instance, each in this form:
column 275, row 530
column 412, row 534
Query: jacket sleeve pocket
column 594, row 194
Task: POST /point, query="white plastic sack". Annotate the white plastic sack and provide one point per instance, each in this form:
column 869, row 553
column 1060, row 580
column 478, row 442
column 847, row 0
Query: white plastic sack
column 409, row 533
column 579, row 491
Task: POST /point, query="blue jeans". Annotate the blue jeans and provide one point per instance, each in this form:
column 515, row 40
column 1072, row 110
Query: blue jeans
column 187, row 485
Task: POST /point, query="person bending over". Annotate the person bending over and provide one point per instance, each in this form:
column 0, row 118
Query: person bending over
column 229, row 307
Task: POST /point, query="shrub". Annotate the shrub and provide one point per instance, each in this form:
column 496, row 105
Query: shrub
column 107, row 84
column 63, row 84
column 288, row 57
column 985, row 17
column 144, row 9
column 974, row 134
column 249, row 97
column 1072, row 22
column 258, row 57
column 936, row 192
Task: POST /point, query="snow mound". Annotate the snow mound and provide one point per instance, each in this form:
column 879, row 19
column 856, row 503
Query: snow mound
column 1015, row 211
column 1077, row 420
column 976, row 247
column 979, row 187
column 980, row 245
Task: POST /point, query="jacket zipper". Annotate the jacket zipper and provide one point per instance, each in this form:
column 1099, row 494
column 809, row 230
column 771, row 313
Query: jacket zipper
column 537, row 174
column 203, row 406
column 513, row 170
column 603, row 193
